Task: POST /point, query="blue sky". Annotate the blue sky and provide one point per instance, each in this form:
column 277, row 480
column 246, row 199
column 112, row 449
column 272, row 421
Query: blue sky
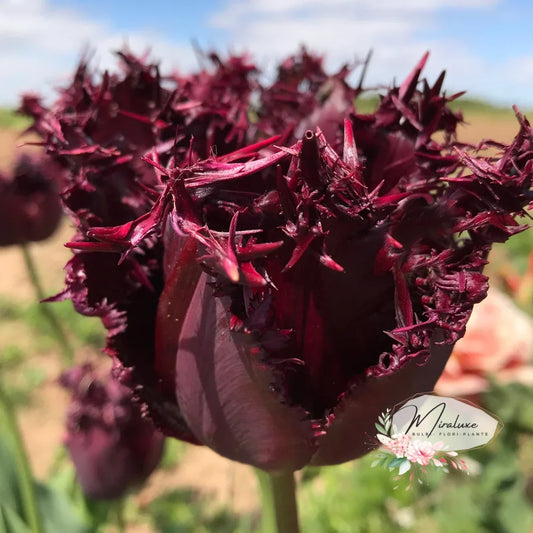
column 486, row 46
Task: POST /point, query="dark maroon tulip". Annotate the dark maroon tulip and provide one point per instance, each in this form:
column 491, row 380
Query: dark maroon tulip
column 30, row 209
column 113, row 447
column 273, row 301
column 305, row 96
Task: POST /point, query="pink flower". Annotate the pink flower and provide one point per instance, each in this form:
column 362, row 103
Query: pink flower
column 498, row 341
column 398, row 444
column 421, row 452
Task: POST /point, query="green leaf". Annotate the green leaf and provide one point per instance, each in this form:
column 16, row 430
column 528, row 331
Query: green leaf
column 57, row 511
column 93, row 512
column 380, row 428
column 10, row 521
column 404, row 467
column 397, row 461
column 9, row 488
column 14, row 451
column 353, row 498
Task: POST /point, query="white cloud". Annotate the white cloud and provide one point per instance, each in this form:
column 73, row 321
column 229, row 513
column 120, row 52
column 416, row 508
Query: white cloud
column 347, row 29
column 33, row 23
column 520, row 70
column 40, row 45
column 236, row 8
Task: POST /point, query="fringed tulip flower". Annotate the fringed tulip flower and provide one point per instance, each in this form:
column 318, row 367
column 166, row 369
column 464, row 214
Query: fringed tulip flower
column 30, row 208
column 275, row 300
column 305, row 96
column 113, row 447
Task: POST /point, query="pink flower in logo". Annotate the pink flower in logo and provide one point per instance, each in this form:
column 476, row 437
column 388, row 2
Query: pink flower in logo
column 422, row 452
column 398, row 444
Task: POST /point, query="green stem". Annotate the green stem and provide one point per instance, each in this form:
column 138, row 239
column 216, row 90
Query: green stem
column 278, row 493
column 66, row 349
column 120, row 520
column 27, row 487
column 60, row 457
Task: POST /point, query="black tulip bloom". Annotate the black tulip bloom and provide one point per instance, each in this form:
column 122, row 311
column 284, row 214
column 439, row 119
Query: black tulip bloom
column 275, row 299
column 30, row 208
column 304, row 96
column 113, row 447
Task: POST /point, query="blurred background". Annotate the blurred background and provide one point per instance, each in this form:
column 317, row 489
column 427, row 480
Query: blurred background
column 487, row 49
column 485, row 45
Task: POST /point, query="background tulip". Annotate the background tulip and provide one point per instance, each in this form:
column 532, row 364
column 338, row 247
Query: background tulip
column 113, row 447
column 30, row 209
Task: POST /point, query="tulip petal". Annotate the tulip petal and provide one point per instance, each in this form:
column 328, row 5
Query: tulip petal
column 126, row 304
column 352, row 425
column 225, row 392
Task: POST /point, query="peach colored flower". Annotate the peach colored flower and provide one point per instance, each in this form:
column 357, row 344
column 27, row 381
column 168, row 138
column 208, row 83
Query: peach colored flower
column 498, row 342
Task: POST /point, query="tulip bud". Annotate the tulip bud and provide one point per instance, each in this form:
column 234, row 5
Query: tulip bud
column 113, row 447
column 30, row 209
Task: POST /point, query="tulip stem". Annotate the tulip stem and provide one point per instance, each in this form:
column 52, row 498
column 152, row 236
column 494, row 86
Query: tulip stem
column 278, row 494
column 22, row 465
column 120, row 520
column 66, row 349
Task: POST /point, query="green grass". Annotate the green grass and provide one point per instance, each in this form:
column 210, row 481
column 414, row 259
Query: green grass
column 366, row 104
column 20, row 379
column 469, row 106
column 10, row 119
column 473, row 106
column 184, row 511
column 87, row 331
column 23, row 377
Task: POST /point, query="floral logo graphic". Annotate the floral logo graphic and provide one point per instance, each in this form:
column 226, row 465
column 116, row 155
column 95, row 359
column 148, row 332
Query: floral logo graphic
column 426, row 432
column 407, row 454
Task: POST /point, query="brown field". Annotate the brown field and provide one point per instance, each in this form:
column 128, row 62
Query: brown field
column 42, row 420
